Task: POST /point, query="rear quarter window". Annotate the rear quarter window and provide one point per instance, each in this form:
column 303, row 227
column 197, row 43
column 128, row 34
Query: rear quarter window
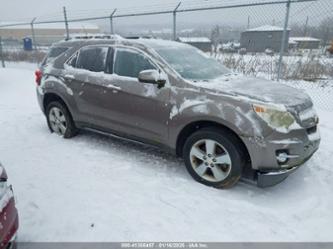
column 53, row 53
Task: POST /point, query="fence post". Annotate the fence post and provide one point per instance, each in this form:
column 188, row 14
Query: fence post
column 33, row 33
column 66, row 23
column 284, row 37
column 111, row 21
column 174, row 21
column 306, row 26
column 1, row 54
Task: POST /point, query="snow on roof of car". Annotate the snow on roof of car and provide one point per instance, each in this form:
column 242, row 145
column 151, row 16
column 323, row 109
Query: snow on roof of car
column 194, row 39
column 266, row 28
column 159, row 43
column 298, row 39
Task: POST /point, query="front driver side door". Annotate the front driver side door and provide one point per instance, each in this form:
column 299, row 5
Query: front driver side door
column 141, row 109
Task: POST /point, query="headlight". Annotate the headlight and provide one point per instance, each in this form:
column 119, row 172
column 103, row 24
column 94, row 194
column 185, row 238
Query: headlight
column 276, row 117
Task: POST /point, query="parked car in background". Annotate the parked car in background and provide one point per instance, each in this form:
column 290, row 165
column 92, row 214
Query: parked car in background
column 8, row 213
column 172, row 95
column 269, row 51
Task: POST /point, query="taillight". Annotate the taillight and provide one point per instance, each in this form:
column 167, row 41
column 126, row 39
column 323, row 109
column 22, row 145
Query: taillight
column 38, row 76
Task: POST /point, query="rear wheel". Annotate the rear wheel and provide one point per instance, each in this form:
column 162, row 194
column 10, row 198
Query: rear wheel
column 59, row 120
column 214, row 157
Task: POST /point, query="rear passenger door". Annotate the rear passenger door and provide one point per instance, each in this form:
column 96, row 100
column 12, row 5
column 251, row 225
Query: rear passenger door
column 85, row 74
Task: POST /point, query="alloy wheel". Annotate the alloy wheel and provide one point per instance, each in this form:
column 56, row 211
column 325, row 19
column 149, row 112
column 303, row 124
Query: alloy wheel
column 58, row 121
column 210, row 160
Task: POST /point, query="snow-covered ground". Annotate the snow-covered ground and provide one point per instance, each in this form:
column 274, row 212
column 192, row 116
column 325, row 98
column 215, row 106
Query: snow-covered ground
column 99, row 188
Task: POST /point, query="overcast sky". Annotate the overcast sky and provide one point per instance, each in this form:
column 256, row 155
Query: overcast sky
column 23, row 10
column 18, row 9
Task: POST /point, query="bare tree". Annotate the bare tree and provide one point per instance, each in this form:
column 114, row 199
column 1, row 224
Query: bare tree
column 326, row 30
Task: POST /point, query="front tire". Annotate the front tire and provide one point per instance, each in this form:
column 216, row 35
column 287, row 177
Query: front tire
column 213, row 157
column 59, row 120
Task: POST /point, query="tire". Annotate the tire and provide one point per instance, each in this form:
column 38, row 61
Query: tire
column 222, row 166
column 59, row 120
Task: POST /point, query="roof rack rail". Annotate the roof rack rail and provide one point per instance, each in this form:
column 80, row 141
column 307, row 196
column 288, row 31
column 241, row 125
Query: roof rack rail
column 84, row 36
column 140, row 37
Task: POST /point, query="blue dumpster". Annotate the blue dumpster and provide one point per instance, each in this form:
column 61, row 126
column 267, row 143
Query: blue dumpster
column 27, row 44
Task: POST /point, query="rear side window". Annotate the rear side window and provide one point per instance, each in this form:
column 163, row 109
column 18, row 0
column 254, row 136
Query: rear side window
column 92, row 59
column 130, row 63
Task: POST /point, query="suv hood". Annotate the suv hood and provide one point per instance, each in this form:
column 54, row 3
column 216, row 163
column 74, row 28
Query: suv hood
column 258, row 89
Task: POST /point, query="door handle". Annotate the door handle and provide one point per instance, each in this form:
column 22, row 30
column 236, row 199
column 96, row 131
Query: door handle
column 69, row 77
column 114, row 88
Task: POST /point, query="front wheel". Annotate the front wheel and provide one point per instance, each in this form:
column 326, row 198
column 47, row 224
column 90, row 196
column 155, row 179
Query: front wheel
column 59, row 120
column 213, row 157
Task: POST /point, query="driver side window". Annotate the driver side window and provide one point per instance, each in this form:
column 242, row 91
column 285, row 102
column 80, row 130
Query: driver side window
column 130, row 63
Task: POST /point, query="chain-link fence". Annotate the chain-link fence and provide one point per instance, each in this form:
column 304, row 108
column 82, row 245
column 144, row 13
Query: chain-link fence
column 287, row 39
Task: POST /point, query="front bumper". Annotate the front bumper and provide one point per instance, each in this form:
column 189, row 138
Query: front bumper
column 268, row 179
column 298, row 146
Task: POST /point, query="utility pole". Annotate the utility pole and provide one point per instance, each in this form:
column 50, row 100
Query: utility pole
column 66, row 23
column 248, row 22
column 1, row 54
column 175, row 21
column 33, row 33
column 284, row 39
column 111, row 21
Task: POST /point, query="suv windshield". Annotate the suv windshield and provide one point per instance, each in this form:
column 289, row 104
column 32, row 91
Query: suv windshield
column 191, row 63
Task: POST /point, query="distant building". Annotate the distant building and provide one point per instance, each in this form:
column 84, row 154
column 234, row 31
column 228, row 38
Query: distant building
column 45, row 33
column 202, row 43
column 262, row 38
column 304, row 42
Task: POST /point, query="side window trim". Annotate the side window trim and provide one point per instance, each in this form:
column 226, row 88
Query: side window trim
column 69, row 60
column 109, row 65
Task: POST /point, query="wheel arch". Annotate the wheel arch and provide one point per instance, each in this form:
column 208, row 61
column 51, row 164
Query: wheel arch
column 197, row 125
column 50, row 97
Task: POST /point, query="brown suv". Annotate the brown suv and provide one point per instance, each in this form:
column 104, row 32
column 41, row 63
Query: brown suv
column 169, row 94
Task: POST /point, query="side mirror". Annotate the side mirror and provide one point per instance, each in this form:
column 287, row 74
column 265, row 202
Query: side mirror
column 153, row 76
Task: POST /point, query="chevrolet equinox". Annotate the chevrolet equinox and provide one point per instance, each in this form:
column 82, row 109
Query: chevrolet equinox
column 172, row 95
